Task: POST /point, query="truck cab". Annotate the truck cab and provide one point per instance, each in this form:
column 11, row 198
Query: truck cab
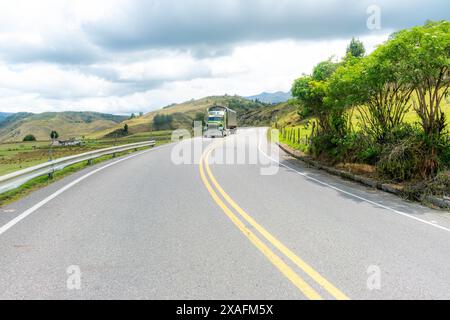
column 220, row 122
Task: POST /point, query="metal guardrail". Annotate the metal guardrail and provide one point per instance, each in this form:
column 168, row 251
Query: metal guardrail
column 16, row 179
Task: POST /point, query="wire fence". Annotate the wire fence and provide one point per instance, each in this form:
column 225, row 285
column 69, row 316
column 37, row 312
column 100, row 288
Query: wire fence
column 294, row 135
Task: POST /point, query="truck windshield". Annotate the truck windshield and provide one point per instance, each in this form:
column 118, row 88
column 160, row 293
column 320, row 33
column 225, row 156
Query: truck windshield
column 215, row 118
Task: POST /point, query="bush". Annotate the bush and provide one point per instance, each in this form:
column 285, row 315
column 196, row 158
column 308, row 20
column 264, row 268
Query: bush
column 401, row 160
column 162, row 122
column 408, row 154
column 363, row 149
column 29, row 137
column 322, row 144
column 443, row 149
column 439, row 185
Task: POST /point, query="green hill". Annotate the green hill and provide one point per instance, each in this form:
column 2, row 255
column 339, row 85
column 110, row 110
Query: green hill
column 68, row 124
column 272, row 97
column 184, row 113
column 285, row 111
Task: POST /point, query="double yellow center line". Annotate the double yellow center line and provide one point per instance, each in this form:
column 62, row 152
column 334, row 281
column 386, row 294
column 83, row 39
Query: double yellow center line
column 227, row 204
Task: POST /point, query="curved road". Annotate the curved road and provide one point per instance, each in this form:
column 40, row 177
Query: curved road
column 146, row 227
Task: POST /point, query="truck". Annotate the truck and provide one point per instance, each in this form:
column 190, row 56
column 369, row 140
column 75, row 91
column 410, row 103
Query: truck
column 220, row 122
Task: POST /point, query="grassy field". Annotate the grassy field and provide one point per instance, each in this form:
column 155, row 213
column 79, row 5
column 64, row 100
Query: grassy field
column 20, row 155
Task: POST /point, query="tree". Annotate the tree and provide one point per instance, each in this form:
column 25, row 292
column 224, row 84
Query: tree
column 162, row 121
column 54, row 135
column 311, row 91
column 323, row 70
column 125, row 128
column 29, row 137
column 376, row 86
column 344, row 86
column 425, row 66
column 356, row 48
column 344, row 93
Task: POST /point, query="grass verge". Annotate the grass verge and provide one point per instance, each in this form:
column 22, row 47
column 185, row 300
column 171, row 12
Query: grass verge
column 42, row 181
column 20, row 155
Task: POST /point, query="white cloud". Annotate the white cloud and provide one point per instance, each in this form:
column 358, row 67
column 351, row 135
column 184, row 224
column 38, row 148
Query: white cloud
column 250, row 69
column 125, row 56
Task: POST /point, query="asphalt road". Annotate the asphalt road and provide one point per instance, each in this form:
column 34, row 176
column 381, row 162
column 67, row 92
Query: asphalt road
column 145, row 227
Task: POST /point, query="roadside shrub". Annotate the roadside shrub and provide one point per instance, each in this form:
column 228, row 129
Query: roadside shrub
column 443, row 151
column 364, row 149
column 400, row 132
column 407, row 153
column 437, row 186
column 440, row 185
column 398, row 162
column 331, row 147
column 357, row 147
column 423, row 156
column 322, row 144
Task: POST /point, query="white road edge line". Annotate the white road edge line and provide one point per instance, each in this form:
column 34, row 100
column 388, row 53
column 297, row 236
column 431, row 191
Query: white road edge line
column 351, row 194
column 29, row 211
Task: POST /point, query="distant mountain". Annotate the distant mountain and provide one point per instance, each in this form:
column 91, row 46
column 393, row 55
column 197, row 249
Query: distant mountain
column 183, row 114
column 68, row 124
column 4, row 115
column 268, row 97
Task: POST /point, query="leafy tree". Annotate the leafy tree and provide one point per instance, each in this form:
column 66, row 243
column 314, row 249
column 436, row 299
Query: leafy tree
column 125, row 128
column 356, row 48
column 425, row 66
column 54, row 135
column 311, row 91
column 373, row 84
column 323, row 70
column 344, row 86
column 162, row 121
column 29, row 137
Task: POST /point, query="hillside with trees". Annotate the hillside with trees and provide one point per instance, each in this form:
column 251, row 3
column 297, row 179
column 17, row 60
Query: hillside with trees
column 182, row 115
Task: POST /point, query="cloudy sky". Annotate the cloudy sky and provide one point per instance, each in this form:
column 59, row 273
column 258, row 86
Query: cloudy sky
column 122, row 56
